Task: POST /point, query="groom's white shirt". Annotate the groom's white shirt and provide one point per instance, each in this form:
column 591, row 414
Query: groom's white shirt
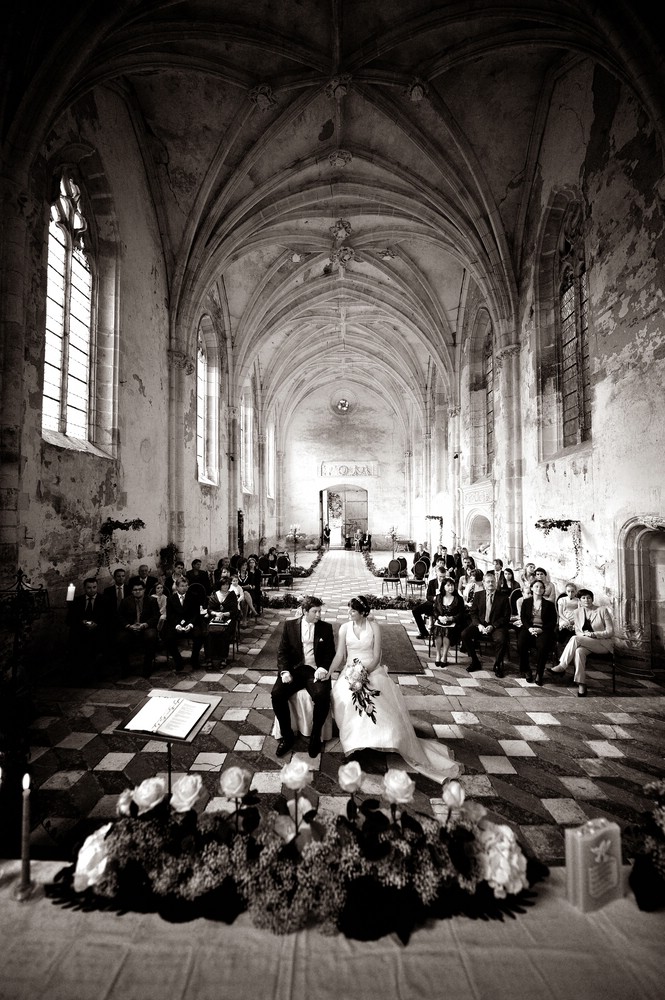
column 307, row 636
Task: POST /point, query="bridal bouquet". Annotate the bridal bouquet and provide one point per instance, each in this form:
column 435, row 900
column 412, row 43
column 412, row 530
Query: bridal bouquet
column 361, row 693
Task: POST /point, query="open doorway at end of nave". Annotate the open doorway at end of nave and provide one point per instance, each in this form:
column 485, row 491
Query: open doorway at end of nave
column 345, row 510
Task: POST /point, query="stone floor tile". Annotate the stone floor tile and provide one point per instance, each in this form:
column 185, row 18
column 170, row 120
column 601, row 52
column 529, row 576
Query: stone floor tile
column 235, row 714
column 155, row 746
column 244, row 687
column 267, row 781
column 75, row 741
column 543, row 718
column 565, row 811
column 447, row 732
column 465, row 718
column 594, row 766
column 496, row 765
column 516, row 748
column 583, row 788
column 62, row 780
column 208, row 762
column 621, row 718
column 249, row 742
column 477, row 785
column 114, row 761
column 458, row 692
column 407, row 679
column 534, row 733
column 604, row 749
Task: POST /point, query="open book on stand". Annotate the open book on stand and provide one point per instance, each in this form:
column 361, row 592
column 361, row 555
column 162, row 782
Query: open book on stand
column 174, row 717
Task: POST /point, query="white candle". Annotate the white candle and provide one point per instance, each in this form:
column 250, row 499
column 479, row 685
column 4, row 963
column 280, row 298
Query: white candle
column 71, row 591
column 25, row 834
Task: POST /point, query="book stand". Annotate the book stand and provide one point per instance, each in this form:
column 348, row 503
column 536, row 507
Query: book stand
column 211, row 701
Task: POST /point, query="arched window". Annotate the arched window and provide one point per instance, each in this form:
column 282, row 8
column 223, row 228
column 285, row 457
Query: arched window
column 207, row 403
column 68, row 360
column 573, row 336
column 481, row 396
column 270, row 461
column 247, row 443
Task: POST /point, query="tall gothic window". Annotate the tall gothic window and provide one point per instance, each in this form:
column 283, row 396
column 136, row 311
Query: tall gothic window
column 574, row 343
column 488, row 372
column 270, row 460
column 66, row 400
column 247, row 444
column 207, row 403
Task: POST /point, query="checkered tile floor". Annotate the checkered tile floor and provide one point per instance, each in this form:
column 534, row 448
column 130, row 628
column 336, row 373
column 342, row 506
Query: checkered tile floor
column 539, row 759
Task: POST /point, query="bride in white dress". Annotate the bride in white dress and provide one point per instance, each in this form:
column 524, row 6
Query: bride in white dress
column 393, row 732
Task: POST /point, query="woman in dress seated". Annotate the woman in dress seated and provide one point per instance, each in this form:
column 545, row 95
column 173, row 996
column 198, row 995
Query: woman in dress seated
column 222, row 616
column 594, row 633
column 388, row 726
column 449, row 611
column 566, row 607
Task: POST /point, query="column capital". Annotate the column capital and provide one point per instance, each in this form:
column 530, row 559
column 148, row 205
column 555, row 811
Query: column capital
column 182, row 360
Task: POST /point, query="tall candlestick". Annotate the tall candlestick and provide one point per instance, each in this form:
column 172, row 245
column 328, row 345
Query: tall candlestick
column 25, row 887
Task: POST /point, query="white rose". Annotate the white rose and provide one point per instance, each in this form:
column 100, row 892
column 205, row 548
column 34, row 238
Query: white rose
column 125, row 799
column 92, row 859
column 453, row 795
column 235, row 782
column 350, row 776
column 296, row 774
column 149, row 794
column 398, row 787
column 185, row 792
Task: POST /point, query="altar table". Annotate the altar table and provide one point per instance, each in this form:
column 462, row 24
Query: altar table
column 552, row 951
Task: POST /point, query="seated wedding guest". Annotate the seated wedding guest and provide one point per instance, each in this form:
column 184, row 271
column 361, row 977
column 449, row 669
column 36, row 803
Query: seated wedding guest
column 159, row 595
column 144, row 578
column 247, row 580
column 421, row 553
column 594, row 632
column 538, row 617
column 490, row 616
column 566, row 605
column 183, row 619
column 550, row 592
column 223, row 564
column 427, row 606
column 511, row 584
column 528, row 574
column 449, row 612
column 137, row 628
column 442, row 555
column 476, row 586
column 113, row 597
column 198, row 575
column 461, row 556
column 178, row 573
column 517, row 598
column 498, row 572
column 466, row 576
column 255, row 578
column 222, row 614
column 86, row 618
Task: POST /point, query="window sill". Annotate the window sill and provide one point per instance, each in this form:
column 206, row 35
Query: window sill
column 204, row 481
column 58, row 440
column 570, row 451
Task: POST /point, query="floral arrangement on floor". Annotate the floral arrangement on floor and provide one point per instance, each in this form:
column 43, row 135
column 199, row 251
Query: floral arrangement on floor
column 377, row 869
column 644, row 844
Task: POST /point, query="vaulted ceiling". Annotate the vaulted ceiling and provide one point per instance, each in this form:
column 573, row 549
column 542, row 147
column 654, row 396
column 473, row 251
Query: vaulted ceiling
column 347, row 175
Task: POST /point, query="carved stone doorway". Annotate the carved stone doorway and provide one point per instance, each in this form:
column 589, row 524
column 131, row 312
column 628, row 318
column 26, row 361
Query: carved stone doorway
column 347, row 510
column 641, row 560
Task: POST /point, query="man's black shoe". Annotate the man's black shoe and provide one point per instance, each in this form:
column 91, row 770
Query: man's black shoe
column 285, row 745
column 314, row 748
column 474, row 665
column 529, row 677
column 424, row 635
column 498, row 669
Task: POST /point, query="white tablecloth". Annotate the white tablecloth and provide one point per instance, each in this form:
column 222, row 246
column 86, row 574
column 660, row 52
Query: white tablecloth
column 552, row 951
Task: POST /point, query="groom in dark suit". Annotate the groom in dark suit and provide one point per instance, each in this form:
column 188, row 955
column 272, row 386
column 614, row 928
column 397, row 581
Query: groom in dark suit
column 306, row 650
column 490, row 617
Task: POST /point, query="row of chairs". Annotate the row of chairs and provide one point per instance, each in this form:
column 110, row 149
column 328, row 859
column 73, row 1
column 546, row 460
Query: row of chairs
column 274, row 578
column 398, row 574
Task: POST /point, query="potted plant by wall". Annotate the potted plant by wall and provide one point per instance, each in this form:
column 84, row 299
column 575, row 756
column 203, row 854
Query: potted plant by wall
column 108, row 548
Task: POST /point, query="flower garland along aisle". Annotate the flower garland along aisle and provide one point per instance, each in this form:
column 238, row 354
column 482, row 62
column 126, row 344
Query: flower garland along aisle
column 376, row 870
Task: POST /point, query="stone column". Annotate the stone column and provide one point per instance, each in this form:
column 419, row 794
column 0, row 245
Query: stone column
column 408, row 492
column 509, row 441
column 457, row 526
column 279, row 499
column 261, row 442
column 234, row 476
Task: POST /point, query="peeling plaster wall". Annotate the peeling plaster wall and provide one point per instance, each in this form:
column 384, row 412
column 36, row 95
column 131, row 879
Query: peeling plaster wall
column 598, row 141
column 367, row 433
column 67, row 494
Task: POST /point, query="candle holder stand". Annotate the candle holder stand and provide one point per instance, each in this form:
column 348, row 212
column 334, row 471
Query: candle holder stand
column 23, row 892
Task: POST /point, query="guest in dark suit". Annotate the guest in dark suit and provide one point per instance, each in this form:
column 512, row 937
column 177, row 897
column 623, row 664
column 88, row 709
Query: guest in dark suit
column 306, row 650
column 178, row 573
column 490, row 617
column 442, row 555
column 198, row 575
column 113, row 597
column 184, row 618
column 427, row 607
column 149, row 582
column 86, row 619
column 538, row 629
column 137, row 627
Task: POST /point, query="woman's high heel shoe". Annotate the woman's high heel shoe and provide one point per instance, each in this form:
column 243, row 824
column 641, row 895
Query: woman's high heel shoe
column 581, row 691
